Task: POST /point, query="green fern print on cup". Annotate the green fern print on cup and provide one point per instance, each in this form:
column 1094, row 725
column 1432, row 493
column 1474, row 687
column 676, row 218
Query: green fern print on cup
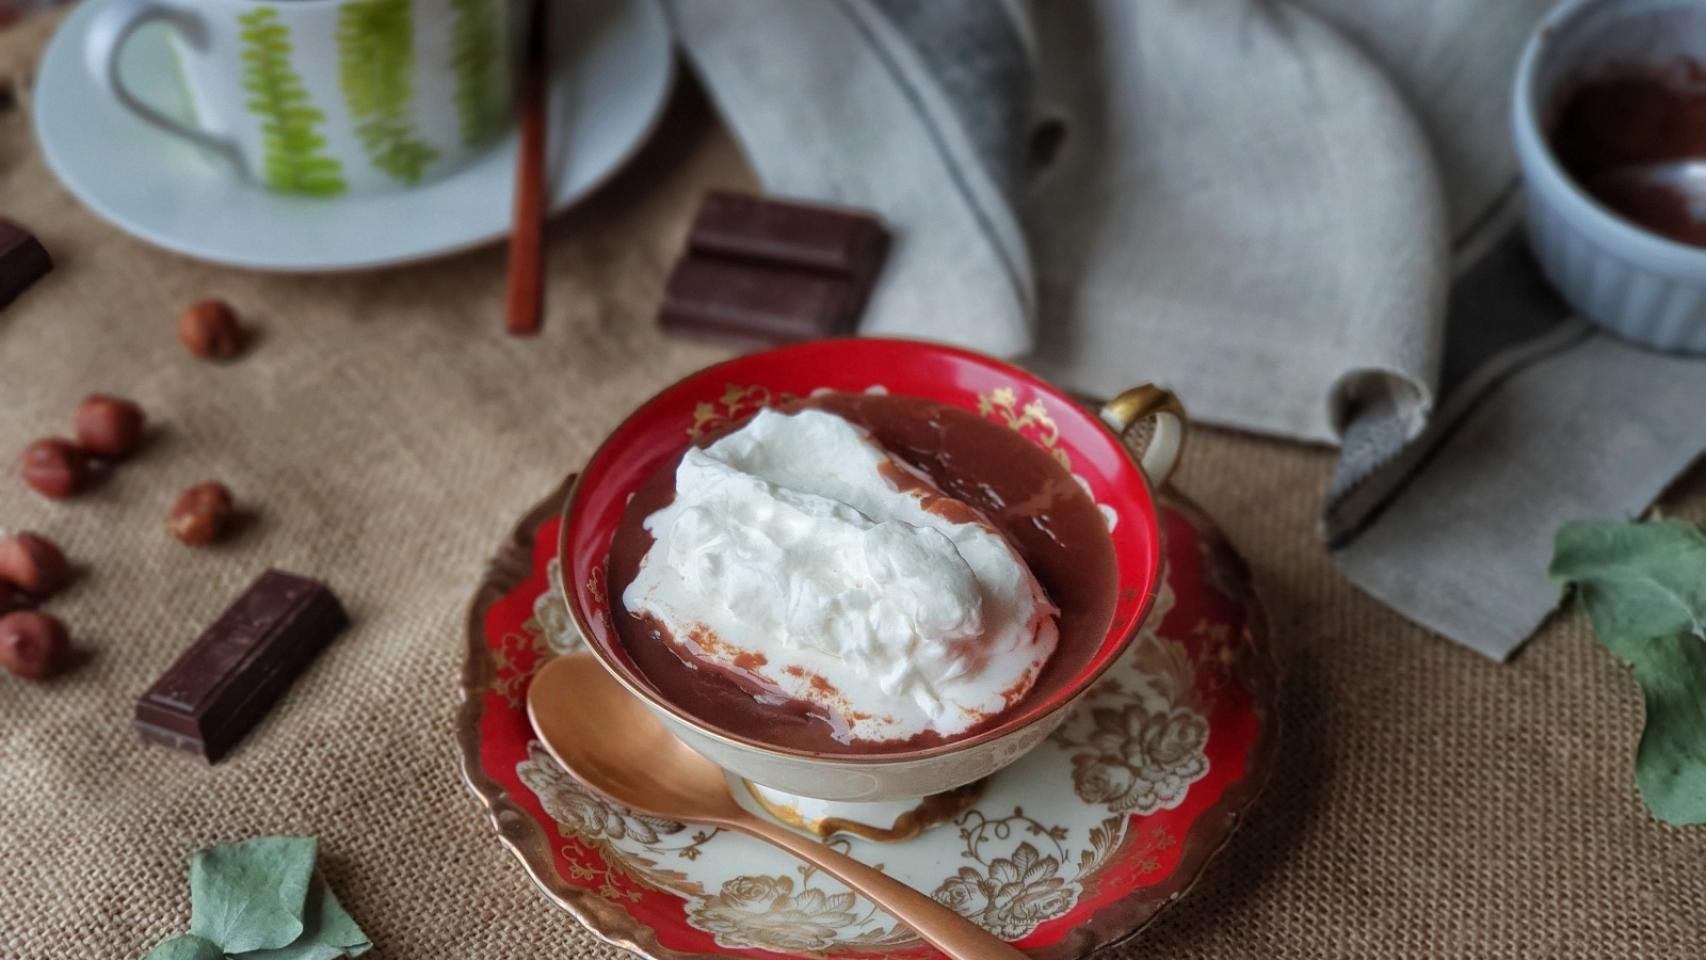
column 376, row 54
column 290, row 129
column 474, row 40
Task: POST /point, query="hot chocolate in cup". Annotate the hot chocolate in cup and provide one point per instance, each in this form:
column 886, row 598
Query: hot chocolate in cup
column 923, row 573
column 1103, row 574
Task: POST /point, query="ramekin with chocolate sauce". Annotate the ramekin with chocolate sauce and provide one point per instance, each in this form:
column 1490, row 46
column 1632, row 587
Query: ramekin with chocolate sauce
column 1606, row 91
column 1056, row 478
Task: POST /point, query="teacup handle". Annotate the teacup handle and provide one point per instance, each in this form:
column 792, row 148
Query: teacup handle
column 1162, row 454
column 111, row 28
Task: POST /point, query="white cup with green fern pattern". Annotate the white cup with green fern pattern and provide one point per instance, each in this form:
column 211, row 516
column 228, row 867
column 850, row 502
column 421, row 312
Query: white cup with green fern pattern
column 326, row 97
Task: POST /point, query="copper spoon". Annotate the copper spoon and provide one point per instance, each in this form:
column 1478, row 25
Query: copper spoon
column 612, row 743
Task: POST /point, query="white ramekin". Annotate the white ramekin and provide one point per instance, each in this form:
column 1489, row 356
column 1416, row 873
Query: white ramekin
column 1635, row 283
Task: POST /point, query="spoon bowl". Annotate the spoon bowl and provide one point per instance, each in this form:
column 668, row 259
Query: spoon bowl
column 613, row 744
column 602, row 735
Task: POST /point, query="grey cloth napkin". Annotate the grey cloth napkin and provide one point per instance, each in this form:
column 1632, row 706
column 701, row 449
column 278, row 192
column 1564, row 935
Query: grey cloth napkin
column 1302, row 220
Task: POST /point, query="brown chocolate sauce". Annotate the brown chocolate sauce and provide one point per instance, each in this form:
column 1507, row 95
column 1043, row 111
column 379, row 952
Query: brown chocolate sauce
column 1631, row 118
column 1031, row 498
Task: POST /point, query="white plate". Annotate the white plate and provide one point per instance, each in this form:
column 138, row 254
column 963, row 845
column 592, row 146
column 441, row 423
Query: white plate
column 614, row 63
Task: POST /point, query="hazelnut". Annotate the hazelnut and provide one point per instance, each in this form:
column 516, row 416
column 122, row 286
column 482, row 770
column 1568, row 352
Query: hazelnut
column 201, row 513
column 109, row 427
column 33, row 644
column 55, row 468
column 209, row 329
column 33, row 564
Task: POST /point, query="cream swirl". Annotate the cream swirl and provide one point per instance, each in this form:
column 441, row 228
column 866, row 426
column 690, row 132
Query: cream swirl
column 803, row 557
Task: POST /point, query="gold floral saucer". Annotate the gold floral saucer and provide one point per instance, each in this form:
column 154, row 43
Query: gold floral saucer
column 1076, row 846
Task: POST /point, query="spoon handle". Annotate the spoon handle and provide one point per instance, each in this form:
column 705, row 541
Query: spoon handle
column 946, row 930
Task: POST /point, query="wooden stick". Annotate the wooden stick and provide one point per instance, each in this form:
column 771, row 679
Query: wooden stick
column 527, row 232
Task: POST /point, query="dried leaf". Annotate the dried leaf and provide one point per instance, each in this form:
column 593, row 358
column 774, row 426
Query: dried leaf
column 250, row 895
column 185, row 946
column 328, row 931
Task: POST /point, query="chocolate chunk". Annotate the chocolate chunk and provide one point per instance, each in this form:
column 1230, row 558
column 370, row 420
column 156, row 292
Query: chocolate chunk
column 23, row 261
column 843, row 242
column 760, row 272
column 225, row 682
column 753, row 305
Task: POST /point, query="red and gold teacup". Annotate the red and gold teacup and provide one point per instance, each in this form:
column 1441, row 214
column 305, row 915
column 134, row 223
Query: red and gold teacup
column 1089, row 443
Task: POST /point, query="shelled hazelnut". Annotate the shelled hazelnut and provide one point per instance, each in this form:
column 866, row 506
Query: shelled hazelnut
column 33, row 564
column 109, row 427
column 55, row 468
column 209, row 329
column 33, row 645
column 201, row 514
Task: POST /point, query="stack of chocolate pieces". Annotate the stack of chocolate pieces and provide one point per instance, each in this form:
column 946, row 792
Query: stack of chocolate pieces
column 764, row 272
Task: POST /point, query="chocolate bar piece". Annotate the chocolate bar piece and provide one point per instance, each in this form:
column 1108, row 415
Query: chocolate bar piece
column 225, row 682
column 753, row 305
column 23, row 261
column 832, row 240
column 760, row 272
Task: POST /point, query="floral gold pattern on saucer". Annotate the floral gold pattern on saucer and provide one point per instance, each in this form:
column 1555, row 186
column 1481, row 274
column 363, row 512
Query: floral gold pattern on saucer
column 1077, row 845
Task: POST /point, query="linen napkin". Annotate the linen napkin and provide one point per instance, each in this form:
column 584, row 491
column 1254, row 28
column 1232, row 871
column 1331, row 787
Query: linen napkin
column 1540, row 418
column 1303, row 218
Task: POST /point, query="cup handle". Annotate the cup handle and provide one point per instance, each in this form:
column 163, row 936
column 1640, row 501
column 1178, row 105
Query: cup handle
column 1139, row 403
column 108, row 32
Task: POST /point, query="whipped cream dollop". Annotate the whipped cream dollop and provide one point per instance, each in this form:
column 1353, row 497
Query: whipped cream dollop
column 803, row 557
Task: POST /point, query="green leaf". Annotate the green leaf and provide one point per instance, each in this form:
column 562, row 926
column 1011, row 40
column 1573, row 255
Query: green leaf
column 251, row 895
column 1670, row 763
column 1640, row 580
column 328, row 931
column 185, row 946
column 301, row 950
column 1645, row 589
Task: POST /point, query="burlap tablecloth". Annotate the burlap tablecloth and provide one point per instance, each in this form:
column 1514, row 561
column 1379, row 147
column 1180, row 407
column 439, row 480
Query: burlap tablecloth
column 386, row 435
